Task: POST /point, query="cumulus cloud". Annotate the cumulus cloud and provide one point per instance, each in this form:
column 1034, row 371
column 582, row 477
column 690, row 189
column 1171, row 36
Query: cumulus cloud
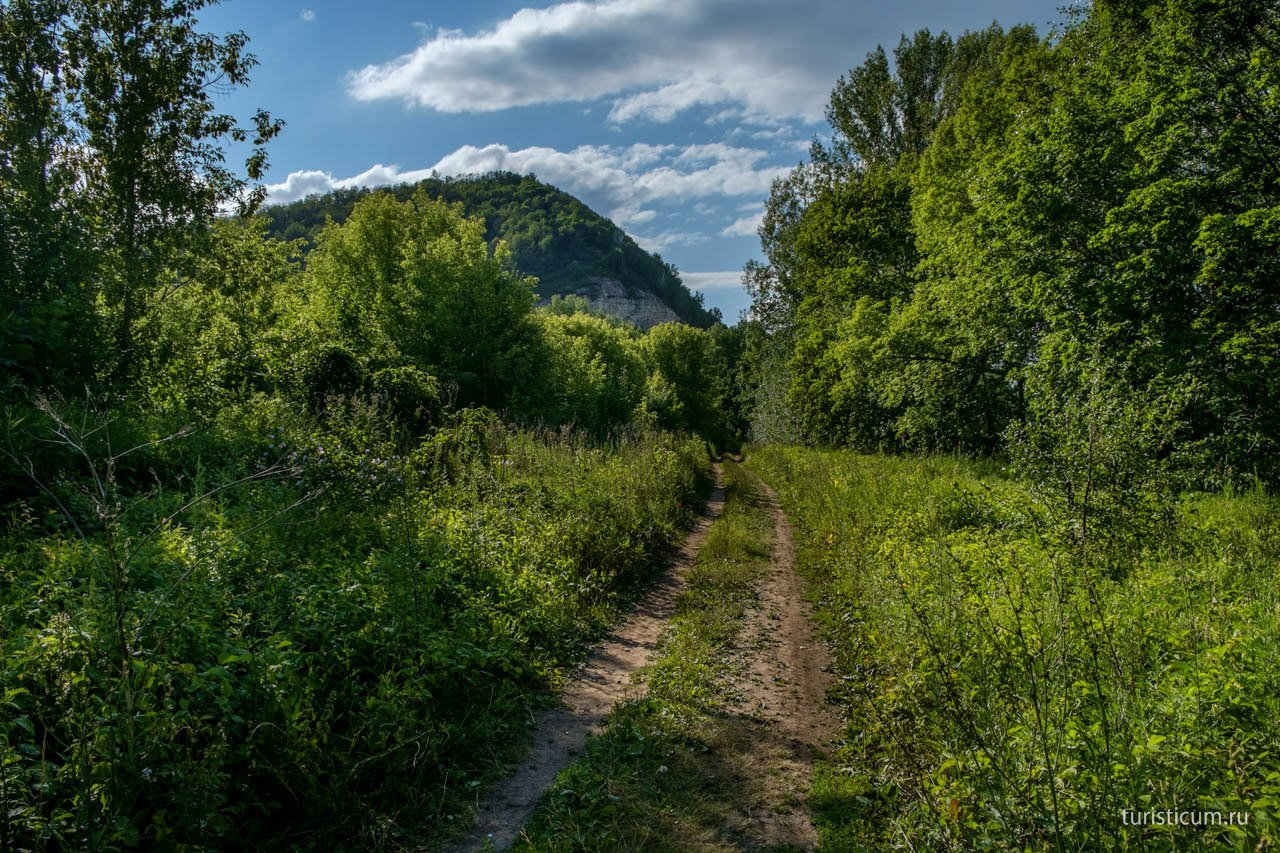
column 666, row 239
column 653, row 58
column 727, row 280
column 618, row 180
column 308, row 15
column 754, row 61
column 747, row 226
column 625, row 216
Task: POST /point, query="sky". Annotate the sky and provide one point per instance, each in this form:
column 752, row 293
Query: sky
column 671, row 117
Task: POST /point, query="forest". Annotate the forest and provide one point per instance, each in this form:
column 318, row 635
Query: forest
column 552, row 236
column 308, row 512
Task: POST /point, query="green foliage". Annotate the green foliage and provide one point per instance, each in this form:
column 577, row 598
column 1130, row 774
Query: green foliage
column 294, row 628
column 595, row 372
column 217, row 336
column 414, row 283
column 47, row 328
column 110, row 166
column 996, row 202
column 552, row 236
column 1099, row 456
column 875, row 359
column 879, row 117
column 411, row 396
column 687, row 382
column 1006, row 688
column 284, row 574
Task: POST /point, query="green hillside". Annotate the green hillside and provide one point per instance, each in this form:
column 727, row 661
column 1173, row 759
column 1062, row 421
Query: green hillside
column 552, row 235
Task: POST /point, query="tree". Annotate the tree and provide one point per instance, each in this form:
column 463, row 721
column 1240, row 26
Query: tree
column 219, row 336
column 110, row 165
column 47, row 292
column 141, row 96
column 878, row 355
column 415, row 283
column 877, row 116
column 687, row 376
column 594, row 372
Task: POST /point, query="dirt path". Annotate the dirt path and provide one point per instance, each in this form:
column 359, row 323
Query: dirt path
column 604, row 680
column 781, row 696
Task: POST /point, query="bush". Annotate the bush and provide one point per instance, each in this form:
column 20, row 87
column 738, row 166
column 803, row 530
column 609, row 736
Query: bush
column 330, row 372
column 292, row 631
column 411, row 396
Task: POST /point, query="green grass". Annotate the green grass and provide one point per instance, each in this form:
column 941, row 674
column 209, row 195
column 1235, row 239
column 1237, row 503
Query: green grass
column 342, row 649
column 661, row 776
column 1008, row 688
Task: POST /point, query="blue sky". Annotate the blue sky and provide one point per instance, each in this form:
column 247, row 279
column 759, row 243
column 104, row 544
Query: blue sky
column 671, row 117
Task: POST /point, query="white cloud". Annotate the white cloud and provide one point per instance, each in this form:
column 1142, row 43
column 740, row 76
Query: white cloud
column 757, row 59
column 632, row 216
column 619, row 180
column 749, row 61
column 666, row 103
column 667, row 239
column 308, row 15
column 747, row 226
column 300, row 185
column 727, row 280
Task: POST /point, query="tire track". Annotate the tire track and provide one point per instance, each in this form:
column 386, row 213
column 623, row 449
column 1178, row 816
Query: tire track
column 781, row 696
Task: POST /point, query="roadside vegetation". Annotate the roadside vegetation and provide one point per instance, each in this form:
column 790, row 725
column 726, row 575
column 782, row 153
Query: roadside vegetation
column 662, row 773
column 295, row 534
column 283, row 630
column 290, row 544
column 1011, row 683
column 1021, row 307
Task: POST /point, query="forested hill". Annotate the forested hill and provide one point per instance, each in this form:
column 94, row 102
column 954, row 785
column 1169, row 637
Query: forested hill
column 554, row 236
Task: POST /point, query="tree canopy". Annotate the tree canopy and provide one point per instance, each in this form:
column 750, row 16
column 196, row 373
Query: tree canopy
column 1000, row 221
column 552, row 236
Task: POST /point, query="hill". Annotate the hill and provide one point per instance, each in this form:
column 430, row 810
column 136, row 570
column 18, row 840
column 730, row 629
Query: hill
column 554, row 236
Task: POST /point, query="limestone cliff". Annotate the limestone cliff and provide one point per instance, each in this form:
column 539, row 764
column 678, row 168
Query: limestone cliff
column 609, row 296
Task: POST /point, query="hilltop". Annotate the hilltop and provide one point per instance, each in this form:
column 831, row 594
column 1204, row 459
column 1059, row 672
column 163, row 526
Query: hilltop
column 553, row 235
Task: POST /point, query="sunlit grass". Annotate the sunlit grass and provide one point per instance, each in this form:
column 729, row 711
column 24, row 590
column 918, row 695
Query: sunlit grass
column 1006, row 688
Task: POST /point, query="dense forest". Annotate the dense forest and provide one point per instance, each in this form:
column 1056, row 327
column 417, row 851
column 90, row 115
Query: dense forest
column 1072, row 239
column 552, row 236
column 306, row 513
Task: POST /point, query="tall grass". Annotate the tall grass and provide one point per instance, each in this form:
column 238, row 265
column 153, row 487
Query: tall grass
column 281, row 631
column 1008, row 689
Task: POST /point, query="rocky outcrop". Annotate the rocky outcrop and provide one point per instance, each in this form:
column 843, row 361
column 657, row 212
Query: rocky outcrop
column 609, row 296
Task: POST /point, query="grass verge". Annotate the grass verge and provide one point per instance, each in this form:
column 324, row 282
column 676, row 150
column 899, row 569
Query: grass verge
column 1007, row 687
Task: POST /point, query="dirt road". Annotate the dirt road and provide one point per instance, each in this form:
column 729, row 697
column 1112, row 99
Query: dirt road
column 601, row 682
column 780, row 692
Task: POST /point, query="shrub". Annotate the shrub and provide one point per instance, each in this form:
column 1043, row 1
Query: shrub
column 411, row 396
